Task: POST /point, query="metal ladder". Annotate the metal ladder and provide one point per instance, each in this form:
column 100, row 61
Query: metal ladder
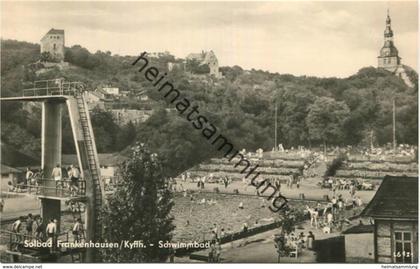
column 76, row 209
column 93, row 166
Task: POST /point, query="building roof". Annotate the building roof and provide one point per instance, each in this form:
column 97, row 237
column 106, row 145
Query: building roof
column 359, row 229
column 105, row 159
column 388, row 50
column 96, row 93
column 197, row 56
column 396, row 198
column 13, row 158
column 55, row 32
column 7, row 169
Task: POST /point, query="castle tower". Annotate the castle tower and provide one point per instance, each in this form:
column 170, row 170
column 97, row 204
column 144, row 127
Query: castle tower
column 53, row 43
column 388, row 57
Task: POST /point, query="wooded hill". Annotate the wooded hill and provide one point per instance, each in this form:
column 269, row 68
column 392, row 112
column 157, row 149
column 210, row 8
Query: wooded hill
column 311, row 110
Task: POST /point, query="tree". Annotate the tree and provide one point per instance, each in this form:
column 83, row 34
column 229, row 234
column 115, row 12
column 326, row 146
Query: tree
column 326, row 119
column 293, row 106
column 194, row 66
column 126, row 135
column 48, row 57
column 231, row 73
column 105, row 130
column 81, row 57
column 139, row 209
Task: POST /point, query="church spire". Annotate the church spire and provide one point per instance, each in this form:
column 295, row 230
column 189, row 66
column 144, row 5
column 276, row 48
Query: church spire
column 388, row 34
column 388, row 57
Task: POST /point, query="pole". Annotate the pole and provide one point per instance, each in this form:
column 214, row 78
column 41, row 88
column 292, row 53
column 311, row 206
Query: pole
column 394, row 139
column 275, row 127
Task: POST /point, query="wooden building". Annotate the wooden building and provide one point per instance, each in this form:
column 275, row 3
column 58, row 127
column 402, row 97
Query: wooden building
column 394, row 209
column 355, row 251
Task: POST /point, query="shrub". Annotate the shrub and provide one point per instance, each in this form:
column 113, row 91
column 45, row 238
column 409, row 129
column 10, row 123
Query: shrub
column 335, row 165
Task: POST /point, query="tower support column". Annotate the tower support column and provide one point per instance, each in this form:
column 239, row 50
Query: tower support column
column 51, row 156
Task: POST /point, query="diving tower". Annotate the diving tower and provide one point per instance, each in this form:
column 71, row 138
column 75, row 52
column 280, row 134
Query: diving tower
column 56, row 95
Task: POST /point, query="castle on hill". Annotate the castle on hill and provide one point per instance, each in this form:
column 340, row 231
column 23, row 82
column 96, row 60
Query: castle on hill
column 53, row 43
column 207, row 58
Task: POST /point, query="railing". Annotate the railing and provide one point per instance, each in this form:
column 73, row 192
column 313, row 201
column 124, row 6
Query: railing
column 54, row 87
column 56, row 188
column 16, row 241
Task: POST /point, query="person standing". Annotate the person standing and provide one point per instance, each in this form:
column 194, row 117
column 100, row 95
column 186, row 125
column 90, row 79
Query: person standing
column 211, row 253
column 78, row 230
column 279, row 244
column 39, row 228
column 171, row 255
column 213, row 236
column 278, row 184
column 203, row 180
column 16, row 230
column 330, row 218
column 245, row 227
column 56, row 175
column 74, row 179
column 310, row 240
column 29, row 224
column 314, row 216
column 290, row 181
column 65, row 173
column 51, row 230
column 226, row 181
column 29, row 174
column 222, row 233
column 334, row 205
column 216, row 230
column 218, row 251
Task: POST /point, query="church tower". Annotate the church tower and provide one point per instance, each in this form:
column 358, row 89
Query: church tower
column 388, row 58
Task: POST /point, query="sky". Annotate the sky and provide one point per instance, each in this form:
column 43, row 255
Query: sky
column 302, row 38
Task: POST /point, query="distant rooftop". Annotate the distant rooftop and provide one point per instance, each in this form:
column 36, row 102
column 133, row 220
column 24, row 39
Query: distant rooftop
column 55, row 32
column 396, row 198
column 13, row 158
column 359, row 229
column 7, row 169
column 105, row 159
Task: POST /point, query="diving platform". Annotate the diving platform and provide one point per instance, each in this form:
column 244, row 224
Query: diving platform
column 64, row 190
column 16, row 247
column 60, row 98
column 48, row 90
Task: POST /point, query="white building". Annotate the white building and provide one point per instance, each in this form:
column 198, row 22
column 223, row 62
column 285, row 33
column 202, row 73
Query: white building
column 94, row 99
column 124, row 116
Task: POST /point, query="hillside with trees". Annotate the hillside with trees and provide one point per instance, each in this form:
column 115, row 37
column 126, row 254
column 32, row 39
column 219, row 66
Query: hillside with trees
column 312, row 111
